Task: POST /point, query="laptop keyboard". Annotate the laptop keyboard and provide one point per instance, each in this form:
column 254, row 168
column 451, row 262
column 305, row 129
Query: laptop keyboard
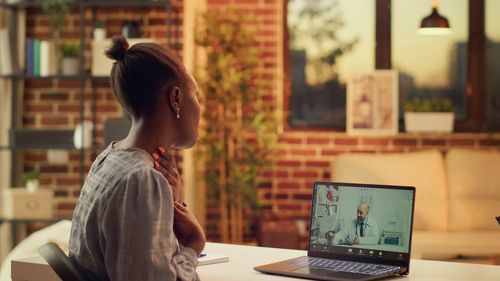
column 347, row 266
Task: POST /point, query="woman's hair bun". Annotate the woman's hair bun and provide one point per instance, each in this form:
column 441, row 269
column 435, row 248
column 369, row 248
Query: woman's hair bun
column 118, row 48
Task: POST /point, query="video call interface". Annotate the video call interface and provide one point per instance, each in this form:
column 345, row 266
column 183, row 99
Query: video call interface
column 367, row 221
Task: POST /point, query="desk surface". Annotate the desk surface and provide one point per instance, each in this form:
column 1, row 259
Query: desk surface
column 242, row 259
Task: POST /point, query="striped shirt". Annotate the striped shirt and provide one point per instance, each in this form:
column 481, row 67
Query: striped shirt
column 123, row 222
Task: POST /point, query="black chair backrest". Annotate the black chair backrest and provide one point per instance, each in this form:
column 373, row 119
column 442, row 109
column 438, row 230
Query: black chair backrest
column 60, row 263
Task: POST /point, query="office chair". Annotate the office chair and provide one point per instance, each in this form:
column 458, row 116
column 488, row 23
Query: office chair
column 60, row 263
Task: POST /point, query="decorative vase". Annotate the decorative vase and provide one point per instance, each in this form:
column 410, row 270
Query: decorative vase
column 32, row 185
column 70, row 66
column 130, row 29
column 429, row 122
column 99, row 33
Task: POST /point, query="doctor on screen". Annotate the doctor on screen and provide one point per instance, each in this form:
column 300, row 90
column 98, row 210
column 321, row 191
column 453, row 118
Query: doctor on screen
column 361, row 230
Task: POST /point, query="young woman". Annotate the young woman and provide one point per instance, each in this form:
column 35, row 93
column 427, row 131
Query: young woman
column 130, row 222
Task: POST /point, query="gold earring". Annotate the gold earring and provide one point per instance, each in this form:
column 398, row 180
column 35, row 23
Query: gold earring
column 177, row 110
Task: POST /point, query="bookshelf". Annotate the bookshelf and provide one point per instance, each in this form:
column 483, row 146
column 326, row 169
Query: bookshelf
column 22, row 139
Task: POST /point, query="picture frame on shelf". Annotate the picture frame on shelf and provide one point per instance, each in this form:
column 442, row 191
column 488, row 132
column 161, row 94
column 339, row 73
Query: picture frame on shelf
column 372, row 103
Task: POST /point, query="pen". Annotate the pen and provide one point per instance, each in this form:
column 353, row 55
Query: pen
column 202, row 255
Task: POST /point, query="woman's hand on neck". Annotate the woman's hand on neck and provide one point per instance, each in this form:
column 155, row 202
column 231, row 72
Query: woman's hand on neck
column 148, row 134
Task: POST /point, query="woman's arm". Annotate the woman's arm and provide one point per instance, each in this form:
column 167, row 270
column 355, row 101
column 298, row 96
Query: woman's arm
column 138, row 232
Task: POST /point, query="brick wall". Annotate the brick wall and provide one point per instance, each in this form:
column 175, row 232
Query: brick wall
column 55, row 103
column 301, row 158
column 307, row 155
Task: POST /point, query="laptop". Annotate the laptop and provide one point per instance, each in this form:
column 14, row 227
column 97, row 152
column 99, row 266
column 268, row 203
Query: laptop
column 357, row 232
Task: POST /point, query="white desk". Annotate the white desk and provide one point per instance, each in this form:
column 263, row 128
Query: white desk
column 242, row 259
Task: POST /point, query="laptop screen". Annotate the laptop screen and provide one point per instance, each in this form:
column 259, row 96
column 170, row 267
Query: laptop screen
column 362, row 220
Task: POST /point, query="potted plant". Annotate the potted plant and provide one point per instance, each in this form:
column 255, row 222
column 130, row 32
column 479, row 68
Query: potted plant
column 30, row 180
column 99, row 32
column 70, row 53
column 56, row 11
column 239, row 128
column 429, row 115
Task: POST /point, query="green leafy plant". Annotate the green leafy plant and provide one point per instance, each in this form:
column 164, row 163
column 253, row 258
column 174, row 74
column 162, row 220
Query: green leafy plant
column 56, row 11
column 70, row 49
column 239, row 129
column 29, row 176
column 429, row 105
column 99, row 24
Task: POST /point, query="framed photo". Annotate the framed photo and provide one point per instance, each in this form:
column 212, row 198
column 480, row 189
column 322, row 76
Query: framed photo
column 372, row 103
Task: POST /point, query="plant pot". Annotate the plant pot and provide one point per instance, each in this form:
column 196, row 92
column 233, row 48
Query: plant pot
column 70, row 66
column 99, row 34
column 32, row 185
column 429, row 122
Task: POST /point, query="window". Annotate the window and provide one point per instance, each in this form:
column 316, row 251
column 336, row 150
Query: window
column 328, row 40
column 492, row 20
column 461, row 65
column 430, row 65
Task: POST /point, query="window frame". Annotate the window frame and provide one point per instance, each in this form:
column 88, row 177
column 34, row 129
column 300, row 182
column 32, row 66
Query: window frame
column 475, row 95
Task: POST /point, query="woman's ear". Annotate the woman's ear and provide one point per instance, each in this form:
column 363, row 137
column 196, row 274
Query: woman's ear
column 174, row 100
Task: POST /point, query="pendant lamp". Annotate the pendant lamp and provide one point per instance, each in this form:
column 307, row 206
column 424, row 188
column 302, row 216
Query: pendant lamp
column 434, row 24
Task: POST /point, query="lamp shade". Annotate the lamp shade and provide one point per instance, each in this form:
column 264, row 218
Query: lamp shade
column 434, row 24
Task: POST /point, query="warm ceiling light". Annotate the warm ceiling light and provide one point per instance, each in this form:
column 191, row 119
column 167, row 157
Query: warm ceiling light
column 434, row 24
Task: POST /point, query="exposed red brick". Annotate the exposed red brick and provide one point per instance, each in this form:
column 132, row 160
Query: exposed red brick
column 376, row 141
column 39, row 108
column 306, row 197
column 66, row 206
column 60, row 193
column 331, row 152
column 45, row 181
column 289, row 163
column 405, row 142
column 309, row 174
column 490, row 142
column 317, row 163
column 290, row 140
column 281, row 196
column 69, row 83
column 42, row 157
column 53, row 169
column 433, row 142
column 54, row 120
column 288, row 185
column 55, row 96
column 461, row 142
column 362, row 151
column 68, row 108
column 288, row 206
column 38, row 83
column 67, row 181
column 318, row 140
column 265, row 185
column 346, row 141
column 303, row 152
column 281, row 174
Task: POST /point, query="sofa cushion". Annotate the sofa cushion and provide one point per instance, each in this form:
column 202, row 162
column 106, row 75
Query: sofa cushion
column 423, row 169
column 474, row 185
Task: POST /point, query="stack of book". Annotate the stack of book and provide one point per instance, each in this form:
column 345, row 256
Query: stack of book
column 41, row 57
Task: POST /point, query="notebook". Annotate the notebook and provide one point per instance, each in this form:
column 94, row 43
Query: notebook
column 356, row 232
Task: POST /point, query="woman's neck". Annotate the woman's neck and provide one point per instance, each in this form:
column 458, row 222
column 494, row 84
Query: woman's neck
column 146, row 135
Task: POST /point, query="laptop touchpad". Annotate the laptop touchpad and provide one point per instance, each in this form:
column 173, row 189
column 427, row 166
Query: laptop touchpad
column 325, row 272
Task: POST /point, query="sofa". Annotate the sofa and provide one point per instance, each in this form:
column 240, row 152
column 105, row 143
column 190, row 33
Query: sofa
column 457, row 196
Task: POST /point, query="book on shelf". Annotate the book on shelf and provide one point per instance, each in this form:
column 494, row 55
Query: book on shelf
column 6, row 59
column 40, row 57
